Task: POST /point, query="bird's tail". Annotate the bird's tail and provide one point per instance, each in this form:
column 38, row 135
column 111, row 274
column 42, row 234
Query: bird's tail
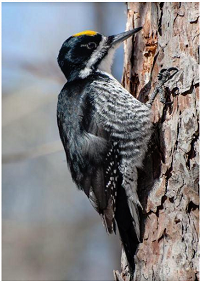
column 126, row 228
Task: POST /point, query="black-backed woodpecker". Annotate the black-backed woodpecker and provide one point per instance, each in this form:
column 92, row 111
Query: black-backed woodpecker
column 104, row 131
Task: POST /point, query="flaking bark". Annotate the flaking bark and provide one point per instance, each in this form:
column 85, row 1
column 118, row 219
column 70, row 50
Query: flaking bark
column 168, row 182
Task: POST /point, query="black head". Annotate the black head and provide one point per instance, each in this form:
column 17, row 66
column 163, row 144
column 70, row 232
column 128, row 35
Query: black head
column 84, row 52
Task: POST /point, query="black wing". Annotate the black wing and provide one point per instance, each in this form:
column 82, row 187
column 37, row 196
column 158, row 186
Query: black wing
column 101, row 186
column 91, row 156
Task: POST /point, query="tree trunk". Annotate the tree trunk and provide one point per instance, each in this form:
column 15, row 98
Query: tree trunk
column 168, row 182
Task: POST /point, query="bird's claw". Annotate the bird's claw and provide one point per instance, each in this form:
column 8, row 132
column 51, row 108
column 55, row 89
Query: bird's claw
column 163, row 76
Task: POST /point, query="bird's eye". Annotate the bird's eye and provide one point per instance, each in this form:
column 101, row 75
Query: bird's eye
column 91, row 45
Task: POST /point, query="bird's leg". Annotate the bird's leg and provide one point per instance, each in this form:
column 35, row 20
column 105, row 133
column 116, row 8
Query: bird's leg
column 163, row 76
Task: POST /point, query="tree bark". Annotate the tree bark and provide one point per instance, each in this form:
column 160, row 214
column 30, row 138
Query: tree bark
column 168, row 182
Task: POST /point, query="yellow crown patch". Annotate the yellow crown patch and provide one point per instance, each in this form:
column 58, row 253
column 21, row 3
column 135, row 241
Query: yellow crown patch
column 86, row 32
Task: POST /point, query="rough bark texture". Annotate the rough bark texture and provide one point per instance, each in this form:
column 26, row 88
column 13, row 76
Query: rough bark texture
column 168, row 182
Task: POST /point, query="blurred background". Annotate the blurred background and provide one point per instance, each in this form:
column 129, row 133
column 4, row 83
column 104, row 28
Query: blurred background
column 50, row 230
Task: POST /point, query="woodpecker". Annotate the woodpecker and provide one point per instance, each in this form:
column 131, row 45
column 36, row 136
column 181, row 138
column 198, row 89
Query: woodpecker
column 104, row 131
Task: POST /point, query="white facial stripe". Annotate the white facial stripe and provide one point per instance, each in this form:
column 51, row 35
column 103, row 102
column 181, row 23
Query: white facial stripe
column 87, row 70
column 106, row 63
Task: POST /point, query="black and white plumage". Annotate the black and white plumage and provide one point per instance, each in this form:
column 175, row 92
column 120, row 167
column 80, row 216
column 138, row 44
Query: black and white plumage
column 104, row 131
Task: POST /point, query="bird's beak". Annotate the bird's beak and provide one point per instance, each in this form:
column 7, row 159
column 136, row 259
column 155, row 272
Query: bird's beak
column 119, row 38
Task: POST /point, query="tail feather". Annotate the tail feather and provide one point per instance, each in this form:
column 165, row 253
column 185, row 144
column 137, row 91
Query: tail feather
column 133, row 207
column 126, row 228
column 108, row 218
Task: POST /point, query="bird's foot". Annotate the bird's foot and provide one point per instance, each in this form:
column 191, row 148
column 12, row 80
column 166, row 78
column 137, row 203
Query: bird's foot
column 163, row 76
